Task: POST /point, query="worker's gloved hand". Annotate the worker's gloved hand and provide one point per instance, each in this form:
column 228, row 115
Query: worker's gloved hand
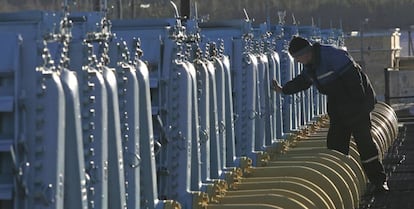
column 276, row 86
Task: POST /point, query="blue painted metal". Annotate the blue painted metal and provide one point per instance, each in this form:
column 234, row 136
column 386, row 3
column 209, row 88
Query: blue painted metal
column 75, row 192
column 29, row 27
column 75, row 182
column 236, row 36
column 166, row 125
column 264, row 122
column 227, row 31
column 95, row 131
column 9, row 118
column 116, row 183
column 215, row 163
column 219, row 80
column 260, row 126
column 195, row 183
column 245, row 104
column 128, row 97
column 149, row 194
column 203, row 94
column 276, row 99
column 168, row 32
column 268, row 37
column 178, row 162
column 287, row 66
column 47, row 110
column 289, row 71
column 229, row 113
column 299, row 101
column 94, row 107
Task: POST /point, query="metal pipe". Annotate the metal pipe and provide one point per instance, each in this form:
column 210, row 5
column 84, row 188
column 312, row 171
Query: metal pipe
column 299, row 170
column 185, row 9
column 120, row 9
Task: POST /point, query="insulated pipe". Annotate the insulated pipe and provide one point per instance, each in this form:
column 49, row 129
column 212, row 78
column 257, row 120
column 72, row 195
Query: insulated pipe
column 351, row 161
column 273, row 184
column 346, row 172
column 278, row 200
column 343, row 182
column 299, row 171
column 308, row 175
column 298, row 195
column 242, row 206
column 385, row 126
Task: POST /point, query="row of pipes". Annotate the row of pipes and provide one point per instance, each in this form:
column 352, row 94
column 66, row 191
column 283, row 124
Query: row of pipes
column 304, row 174
column 161, row 113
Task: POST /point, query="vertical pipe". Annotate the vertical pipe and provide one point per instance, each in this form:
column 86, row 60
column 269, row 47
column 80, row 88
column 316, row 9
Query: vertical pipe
column 120, row 11
column 387, row 85
column 185, row 9
column 410, row 42
column 133, row 9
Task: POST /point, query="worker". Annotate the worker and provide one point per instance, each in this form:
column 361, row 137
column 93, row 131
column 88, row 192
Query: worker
column 350, row 100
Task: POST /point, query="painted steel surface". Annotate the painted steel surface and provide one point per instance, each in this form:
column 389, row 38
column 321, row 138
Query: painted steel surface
column 189, row 122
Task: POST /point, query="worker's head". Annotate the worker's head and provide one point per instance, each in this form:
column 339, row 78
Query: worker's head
column 300, row 49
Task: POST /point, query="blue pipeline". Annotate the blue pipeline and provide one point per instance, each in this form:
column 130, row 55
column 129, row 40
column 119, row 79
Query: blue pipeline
column 215, row 162
column 229, row 113
column 276, row 99
column 148, row 185
column 203, row 94
column 75, row 182
column 128, row 97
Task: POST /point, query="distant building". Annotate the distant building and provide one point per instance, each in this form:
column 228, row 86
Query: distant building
column 375, row 52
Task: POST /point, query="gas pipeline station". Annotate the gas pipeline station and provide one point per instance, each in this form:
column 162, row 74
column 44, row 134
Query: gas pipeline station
column 178, row 113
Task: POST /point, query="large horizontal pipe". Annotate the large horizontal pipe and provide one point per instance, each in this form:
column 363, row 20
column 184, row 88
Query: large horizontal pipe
column 384, row 126
column 305, row 172
column 298, row 195
column 279, row 200
column 296, row 184
column 311, row 174
column 242, row 206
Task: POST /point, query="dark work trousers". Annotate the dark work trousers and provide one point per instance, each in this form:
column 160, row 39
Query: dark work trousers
column 339, row 136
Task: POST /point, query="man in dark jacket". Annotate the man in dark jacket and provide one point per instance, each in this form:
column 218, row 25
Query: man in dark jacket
column 350, row 99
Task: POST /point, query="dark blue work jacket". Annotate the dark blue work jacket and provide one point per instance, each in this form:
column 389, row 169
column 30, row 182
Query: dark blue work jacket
column 334, row 73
